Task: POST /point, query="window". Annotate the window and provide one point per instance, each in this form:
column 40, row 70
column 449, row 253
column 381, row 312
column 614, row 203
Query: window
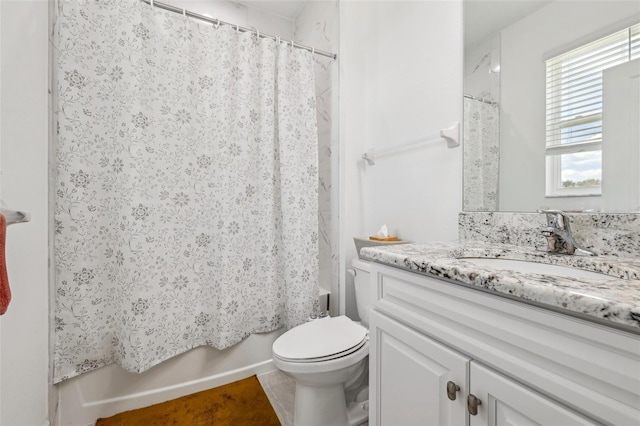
column 574, row 112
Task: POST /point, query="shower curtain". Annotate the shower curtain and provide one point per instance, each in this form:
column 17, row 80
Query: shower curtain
column 186, row 186
column 481, row 155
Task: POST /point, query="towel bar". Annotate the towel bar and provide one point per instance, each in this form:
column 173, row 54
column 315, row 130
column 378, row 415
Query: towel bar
column 451, row 135
column 15, row 216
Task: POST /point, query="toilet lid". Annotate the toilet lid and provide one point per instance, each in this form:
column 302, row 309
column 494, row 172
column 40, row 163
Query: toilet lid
column 320, row 339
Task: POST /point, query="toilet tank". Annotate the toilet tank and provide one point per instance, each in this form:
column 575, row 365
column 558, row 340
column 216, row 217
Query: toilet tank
column 362, row 288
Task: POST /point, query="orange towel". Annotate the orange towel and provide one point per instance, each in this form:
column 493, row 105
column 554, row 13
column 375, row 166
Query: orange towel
column 5, row 291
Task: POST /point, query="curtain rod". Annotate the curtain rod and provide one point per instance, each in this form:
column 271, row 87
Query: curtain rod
column 200, row 17
column 492, row 103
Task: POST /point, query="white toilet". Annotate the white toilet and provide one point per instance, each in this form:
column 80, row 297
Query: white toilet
column 327, row 358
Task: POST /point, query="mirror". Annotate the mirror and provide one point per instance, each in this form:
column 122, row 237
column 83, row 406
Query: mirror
column 507, row 163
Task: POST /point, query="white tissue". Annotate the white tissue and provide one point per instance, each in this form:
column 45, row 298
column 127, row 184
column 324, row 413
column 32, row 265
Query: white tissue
column 383, row 232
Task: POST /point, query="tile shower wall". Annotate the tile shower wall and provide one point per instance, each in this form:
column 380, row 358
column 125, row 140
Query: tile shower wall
column 482, row 69
column 317, row 26
column 615, row 234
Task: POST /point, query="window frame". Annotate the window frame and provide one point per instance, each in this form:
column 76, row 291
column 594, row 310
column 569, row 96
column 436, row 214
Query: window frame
column 554, row 108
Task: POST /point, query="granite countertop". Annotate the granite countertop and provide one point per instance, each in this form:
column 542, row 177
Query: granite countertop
column 614, row 301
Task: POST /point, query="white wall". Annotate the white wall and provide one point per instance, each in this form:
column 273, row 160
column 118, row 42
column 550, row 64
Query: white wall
column 24, row 329
column 400, row 80
column 554, row 29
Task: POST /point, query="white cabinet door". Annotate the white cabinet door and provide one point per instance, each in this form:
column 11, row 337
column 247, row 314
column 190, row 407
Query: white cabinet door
column 409, row 375
column 506, row 402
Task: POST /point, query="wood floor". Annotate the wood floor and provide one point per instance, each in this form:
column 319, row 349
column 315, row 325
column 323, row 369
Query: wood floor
column 280, row 390
column 243, row 402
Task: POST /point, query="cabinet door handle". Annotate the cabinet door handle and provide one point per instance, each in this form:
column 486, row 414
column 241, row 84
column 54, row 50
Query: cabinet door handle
column 472, row 404
column 452, row 389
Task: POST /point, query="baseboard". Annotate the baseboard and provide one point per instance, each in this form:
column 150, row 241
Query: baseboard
column 186, row 388
column 86, row 413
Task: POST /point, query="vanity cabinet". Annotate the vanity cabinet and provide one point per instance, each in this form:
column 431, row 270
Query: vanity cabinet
column 507, row 402
column 435, row 345
column 412, row 373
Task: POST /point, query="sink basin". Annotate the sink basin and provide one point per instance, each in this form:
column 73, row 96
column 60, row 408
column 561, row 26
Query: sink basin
column 536, row 268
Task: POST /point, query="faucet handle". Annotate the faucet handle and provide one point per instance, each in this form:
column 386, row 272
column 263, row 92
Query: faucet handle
column 559, row 236
column 556, row 219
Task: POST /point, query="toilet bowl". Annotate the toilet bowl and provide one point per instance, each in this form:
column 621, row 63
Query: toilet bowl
column 328, row 359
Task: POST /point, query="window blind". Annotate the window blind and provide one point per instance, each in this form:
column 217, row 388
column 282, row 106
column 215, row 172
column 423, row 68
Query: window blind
column 634, row 42
column 574, row 90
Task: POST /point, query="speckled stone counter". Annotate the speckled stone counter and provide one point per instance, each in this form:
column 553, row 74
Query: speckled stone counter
column 607, row 234
column 614, row 301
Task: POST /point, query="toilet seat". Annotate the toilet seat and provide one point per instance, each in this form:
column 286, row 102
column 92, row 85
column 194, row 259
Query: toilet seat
column 320, row 340
column 327, row 357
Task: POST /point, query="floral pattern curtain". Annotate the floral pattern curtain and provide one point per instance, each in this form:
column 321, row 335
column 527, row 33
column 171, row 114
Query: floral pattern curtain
column 481, row 155
column 186, row 186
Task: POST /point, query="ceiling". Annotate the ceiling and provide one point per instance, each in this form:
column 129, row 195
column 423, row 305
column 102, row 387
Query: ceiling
column 483, row 18
column 289, row 9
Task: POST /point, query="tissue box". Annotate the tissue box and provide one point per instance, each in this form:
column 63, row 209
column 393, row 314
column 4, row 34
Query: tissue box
column 361, row 242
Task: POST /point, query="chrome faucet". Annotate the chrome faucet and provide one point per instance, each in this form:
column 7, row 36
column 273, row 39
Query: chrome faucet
column 559, row 237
